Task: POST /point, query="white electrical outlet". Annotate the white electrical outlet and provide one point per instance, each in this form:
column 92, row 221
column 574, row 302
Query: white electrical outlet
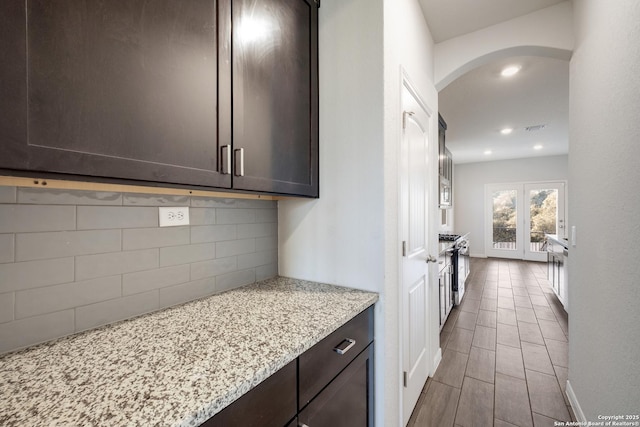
column 170, row 217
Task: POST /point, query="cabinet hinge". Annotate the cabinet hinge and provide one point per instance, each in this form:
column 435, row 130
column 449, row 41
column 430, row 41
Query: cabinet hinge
column 404, row 248
column 404, row 378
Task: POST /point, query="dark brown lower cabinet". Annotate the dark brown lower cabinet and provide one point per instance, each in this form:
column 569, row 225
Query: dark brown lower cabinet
column 329, row 385
column 270, row 403
column 347, row 401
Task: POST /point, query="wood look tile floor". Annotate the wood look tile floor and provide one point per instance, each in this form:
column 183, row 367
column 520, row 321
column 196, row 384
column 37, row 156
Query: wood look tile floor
column 504, row 353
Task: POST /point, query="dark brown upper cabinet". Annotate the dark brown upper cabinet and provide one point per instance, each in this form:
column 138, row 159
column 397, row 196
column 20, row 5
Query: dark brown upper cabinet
column 140, row 90
column 275, row 96
column 127, row 89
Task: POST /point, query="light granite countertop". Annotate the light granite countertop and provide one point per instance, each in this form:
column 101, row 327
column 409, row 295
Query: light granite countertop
column 176, row 367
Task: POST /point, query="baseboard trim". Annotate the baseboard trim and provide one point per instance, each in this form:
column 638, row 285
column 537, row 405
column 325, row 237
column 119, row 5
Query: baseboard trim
column 436, row 362
column 573, row 400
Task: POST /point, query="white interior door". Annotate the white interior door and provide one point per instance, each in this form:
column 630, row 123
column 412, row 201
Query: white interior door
column 414, row 269
column 518, row 215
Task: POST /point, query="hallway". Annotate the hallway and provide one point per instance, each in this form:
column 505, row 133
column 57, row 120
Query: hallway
column 505, row 360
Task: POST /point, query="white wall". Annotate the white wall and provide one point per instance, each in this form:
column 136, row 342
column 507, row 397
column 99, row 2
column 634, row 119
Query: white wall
column 468, row 189
column 546, row 32
column 604, row 274
column 339, row 238
column 349, row 236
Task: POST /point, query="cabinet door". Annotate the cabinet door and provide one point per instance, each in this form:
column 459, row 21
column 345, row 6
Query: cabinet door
column 125, row 88
column 275, row 96
column 442, row 129
column 348, row 400
column 272, row 403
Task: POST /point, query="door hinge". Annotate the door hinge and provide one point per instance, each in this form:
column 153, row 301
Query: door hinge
column 404, row 378
column 404, row 248
column 404, row 118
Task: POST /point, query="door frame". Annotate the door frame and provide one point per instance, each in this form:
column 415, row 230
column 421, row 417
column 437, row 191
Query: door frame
column 523, row 215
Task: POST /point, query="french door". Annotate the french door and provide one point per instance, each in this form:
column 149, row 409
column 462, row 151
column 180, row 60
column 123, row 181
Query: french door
column 518, row 216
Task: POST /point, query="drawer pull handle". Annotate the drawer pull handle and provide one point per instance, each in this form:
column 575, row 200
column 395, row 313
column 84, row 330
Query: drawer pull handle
column 342, row 350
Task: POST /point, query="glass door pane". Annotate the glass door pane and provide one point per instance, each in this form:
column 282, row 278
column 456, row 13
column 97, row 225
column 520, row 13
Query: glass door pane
column 544, row 215
column 543, row 210
column 505, row 219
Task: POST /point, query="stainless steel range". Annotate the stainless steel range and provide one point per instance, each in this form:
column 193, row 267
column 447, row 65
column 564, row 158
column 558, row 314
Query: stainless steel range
column 460, row 263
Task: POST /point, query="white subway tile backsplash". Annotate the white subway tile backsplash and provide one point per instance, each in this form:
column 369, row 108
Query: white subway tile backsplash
column 6, row 307
column 235, row 216
column 265, row 243
column 266, row 271
column 235, row 279
column 102, row 313
column 74, row 260
column 178, row 294
column 33, row 274
column 235, row 247
column 69, row 295
column 215, row 267
column 134, row 283
column 213, row 233
column 185, row 254
column 34, row 330
column 267, row 215
column 202, row 216
column 143, row 238
column 7, row 248
column 7, row 194
column 246, row 231
column 33, row 218
column 32, row 246
column 103, row 217
column 90, row 266
column 256, row 259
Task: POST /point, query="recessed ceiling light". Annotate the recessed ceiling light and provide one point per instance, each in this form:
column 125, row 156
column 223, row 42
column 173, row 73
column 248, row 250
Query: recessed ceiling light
column 510, row 70
column 506, row 131
column 537, row 147
column 487, row 152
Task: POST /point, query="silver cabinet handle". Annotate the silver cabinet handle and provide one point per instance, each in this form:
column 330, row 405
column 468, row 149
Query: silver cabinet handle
column 225, row 158
column 239, row 162
column 302, row 425
column 343, row 350
column 431, row 258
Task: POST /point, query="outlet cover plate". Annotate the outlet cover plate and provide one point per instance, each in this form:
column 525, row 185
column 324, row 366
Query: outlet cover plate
column 171, row 217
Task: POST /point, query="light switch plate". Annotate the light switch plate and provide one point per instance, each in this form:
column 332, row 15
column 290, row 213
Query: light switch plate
column 170, row 217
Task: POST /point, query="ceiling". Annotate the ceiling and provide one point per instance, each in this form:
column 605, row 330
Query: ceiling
column 451, row 18
column 480, row 103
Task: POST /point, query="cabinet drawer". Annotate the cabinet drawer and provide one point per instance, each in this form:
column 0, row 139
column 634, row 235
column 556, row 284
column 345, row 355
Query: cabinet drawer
column 347, row 401
column 322, row 362
column 270, row 403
